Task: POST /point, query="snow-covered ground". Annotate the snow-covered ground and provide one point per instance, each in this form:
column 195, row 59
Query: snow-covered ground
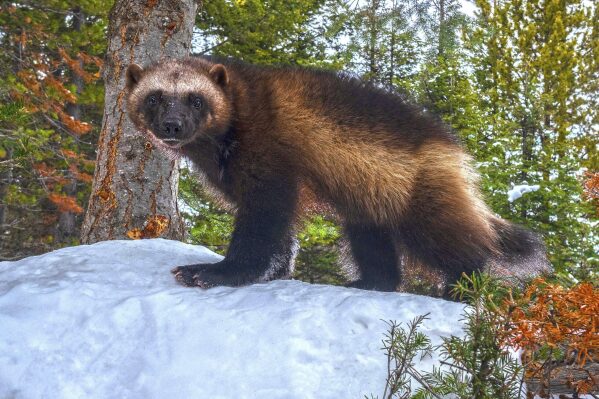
column 109, row 321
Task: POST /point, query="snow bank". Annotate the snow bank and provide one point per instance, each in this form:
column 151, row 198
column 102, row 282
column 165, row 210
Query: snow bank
column 519, row 190
column 109, row 321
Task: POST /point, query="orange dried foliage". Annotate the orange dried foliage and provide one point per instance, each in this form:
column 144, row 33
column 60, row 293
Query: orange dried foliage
column 30, row 108
column 584, row 386
column 23, row 38
column 65, row 93
column 591, row 185
column 15, row 95
column 591, row 188
column 91, row 59
column 549, row 314
column 48, row 220
column 154, row 227
column 44, row 170
column 65, row 203
column 70, row 154
column 49, row 174
column 30, row 81
column 76, row 65
column 81, row 176
column 75, row 126
column 36, row 77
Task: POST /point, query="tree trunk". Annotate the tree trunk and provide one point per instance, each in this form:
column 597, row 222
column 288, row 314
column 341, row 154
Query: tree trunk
column 392, row 46
column 134, row 183
column 5, row 181
column 563, row 380
column 66, row 230
column 526, row 146
column 372, row 50
column 441, row 27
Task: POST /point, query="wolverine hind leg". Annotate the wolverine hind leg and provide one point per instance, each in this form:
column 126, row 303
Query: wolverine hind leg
column 374, row 253
column 446, row 244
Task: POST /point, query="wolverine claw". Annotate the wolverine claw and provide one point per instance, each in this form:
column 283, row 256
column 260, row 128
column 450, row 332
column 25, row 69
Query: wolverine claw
column 206, row 276
column 199, row 282
column 190, row 276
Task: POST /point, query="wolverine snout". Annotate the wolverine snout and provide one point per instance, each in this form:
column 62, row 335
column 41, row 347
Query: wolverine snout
column 171, row 128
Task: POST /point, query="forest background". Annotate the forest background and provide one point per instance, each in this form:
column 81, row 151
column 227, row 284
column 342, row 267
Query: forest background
column 516, row 79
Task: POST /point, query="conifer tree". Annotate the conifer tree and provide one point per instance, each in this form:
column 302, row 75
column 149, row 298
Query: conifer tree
column 529, row 61
column 50, row 101
column 384, row 44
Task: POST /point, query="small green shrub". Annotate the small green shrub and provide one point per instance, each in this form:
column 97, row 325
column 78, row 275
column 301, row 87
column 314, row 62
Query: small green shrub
column 474, row 366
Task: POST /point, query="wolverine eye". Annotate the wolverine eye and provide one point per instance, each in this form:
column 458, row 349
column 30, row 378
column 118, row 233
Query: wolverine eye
column 152, row 100
column 197, row 103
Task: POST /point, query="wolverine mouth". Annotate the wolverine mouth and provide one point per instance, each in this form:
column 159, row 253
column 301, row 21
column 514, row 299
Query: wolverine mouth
column 171, row 142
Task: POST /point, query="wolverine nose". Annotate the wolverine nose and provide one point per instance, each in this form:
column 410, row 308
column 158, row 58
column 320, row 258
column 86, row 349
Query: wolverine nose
column 172, row 127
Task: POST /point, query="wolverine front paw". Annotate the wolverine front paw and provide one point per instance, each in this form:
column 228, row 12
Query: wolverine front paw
column 207, row 275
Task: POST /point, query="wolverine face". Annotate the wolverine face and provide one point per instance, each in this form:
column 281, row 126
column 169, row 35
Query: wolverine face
column 178, row 101
column 174, row 118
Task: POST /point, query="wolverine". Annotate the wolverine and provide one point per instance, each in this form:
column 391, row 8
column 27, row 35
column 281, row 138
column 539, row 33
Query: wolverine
column 398, row 179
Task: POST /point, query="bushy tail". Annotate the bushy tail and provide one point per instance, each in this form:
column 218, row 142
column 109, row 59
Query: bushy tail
column 523, row 253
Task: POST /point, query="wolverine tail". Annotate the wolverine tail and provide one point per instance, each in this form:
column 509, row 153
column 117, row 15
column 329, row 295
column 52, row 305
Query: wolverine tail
column 523, row 252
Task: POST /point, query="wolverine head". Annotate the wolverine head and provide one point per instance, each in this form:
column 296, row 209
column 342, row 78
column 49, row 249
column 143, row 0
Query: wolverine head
column 178, row 101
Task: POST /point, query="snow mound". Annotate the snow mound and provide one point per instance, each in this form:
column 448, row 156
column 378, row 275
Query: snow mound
column 519, row 190
column 108, row 321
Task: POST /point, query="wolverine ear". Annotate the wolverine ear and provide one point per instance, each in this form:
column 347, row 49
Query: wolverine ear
column 219, row 74
column 134, row 73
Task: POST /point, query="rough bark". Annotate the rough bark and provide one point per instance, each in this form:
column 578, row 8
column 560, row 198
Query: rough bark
column 134, row 183
column 563, row 381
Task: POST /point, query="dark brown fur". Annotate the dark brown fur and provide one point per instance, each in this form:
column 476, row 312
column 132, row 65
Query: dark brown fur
column 399, row 180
